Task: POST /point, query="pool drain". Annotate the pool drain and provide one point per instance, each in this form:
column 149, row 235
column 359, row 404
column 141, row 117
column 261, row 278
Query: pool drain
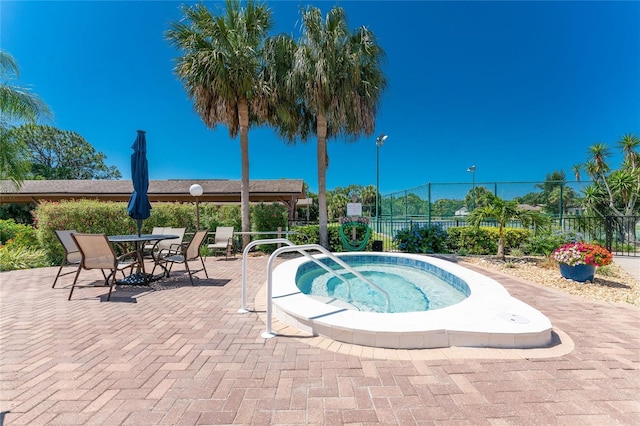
column 518, row 319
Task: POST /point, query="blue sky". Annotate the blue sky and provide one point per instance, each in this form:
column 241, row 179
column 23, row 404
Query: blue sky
column 519, row 89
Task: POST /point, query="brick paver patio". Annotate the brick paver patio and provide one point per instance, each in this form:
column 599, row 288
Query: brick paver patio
column 182, row 355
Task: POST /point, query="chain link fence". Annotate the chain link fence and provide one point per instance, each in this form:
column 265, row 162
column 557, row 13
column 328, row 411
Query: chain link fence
column 445, row 200
column 448, row 205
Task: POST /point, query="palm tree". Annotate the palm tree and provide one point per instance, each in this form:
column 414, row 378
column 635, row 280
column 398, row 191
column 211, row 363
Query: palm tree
column 337, row 80
column 17, row 106
column 221, row 68
column 502, row 212
column 629, row 145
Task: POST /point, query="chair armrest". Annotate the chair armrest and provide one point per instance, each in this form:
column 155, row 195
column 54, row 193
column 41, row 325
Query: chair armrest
column 125, row 256
column 176, row 246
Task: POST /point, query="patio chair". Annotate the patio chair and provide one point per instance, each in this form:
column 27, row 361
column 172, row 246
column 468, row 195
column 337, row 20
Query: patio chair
column 223, row 240
column 154, row 249
column 97, row 253
column 187, row 252
column 157, row 230
column 173, row 244
column 71, row 257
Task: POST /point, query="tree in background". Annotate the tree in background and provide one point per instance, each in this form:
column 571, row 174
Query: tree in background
column 480, row 197
column 554, row 194
column 337, row 78
column 368, row 197
column 221, row 68
column 61, row 154
column 614, row 193
column 17, row 105
column 337, row 205
column 445, row 207
column 502, row 212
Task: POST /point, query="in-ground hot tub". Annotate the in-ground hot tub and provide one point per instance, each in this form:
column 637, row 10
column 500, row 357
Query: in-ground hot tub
column 488, row 317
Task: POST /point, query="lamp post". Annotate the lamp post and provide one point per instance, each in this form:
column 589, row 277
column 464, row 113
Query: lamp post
column 196, row 191
column 379, row 142
column 472, row 169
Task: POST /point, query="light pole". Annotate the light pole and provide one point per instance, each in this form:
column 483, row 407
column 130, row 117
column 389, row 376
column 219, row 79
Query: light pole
column 196, row 191
column 472, row 169
column 379, row 142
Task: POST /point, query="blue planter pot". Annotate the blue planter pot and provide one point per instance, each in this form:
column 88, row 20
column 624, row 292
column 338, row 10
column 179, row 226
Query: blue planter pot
column 580, row 273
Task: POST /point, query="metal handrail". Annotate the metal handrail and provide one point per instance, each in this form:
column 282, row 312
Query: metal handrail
column 245, row 252
column 303, row 250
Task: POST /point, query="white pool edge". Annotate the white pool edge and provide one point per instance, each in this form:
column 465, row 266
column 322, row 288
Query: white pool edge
column 489, row 317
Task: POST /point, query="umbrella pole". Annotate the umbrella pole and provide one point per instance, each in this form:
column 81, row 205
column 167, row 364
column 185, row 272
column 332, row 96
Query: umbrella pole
column 139, row 223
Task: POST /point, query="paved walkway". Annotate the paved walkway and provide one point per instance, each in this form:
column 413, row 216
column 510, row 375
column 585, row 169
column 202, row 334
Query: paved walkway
column 182, row 355
column 631, row 264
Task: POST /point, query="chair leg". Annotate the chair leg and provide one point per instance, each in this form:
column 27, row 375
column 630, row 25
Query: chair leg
column 58, row 274
column 186, row 266
column 113, row 282
column 204, row 268
column 108, row 278
column 75, row 280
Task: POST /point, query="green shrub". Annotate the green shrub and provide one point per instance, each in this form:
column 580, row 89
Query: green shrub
column 472, row 240
column 111, row 218
column 544, row 244
column 484, row 240
column 267, row 218
column 168, row 215
column 306, row 234
column 14, row 257
column 17, row 234
column 422, row 239
column 212, row 216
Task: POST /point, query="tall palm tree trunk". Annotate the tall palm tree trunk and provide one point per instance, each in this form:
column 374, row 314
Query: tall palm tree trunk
column 243, row 118
column 321, row 153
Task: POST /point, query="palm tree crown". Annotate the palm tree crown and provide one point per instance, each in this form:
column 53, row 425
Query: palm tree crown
column 337, row 77
column 503, row 211
column 221, row 68
column 17, row 106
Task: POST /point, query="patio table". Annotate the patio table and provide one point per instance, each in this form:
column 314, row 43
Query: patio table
column 140, row 277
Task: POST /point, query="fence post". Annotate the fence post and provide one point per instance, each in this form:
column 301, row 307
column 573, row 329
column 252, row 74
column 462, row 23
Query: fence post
column 608, row 229
column 561, row 204
column 429, row 203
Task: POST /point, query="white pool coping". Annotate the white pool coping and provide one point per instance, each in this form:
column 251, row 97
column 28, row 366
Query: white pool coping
column 489, row 317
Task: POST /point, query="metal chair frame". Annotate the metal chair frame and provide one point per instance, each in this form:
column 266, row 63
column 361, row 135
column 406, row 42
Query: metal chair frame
column 187, row 252
column 72, row 256
column 97, row 253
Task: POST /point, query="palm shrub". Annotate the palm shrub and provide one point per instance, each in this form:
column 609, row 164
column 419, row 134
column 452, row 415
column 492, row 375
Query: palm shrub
column 503, row 212
column 422, row 239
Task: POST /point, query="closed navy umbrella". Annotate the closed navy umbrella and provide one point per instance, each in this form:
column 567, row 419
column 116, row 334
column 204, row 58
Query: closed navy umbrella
column 139, row 207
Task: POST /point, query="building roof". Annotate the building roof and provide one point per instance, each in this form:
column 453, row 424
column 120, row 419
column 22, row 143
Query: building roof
column 214, row 190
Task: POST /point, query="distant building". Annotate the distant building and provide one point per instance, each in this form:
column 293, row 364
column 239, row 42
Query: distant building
column 529, row 207
column 462, row 211
column 576, row 210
